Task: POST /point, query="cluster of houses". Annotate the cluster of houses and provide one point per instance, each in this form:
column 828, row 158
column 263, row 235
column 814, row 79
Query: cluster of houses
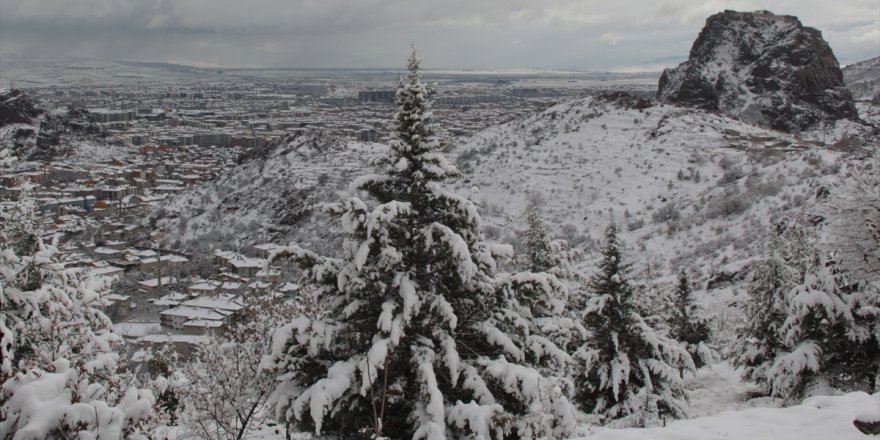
column 170, row 304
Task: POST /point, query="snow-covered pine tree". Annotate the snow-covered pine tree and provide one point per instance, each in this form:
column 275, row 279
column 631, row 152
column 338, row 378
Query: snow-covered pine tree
column 809, row 324
column 626, row 370
column 853, row 212
column 422, row 337
column 689, row 325
column 830, row 332
column 759, row 342
column 59, row 362
column 539, row 256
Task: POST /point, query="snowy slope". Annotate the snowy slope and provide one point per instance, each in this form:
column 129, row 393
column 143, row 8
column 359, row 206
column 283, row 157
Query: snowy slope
column 588, row 157
column 272, row 198
column 597, row 157
column 817, row 418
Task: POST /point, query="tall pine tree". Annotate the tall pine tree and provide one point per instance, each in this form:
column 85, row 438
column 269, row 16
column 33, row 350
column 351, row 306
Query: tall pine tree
column 539, row 254
column 689, row 325
column 422, row 338
column 766, row 309
column 626, row 370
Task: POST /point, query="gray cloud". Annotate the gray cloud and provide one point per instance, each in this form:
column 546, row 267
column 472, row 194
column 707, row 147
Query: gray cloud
column 376, row 33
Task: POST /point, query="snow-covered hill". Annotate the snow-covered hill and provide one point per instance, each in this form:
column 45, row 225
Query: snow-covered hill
column 690, row 188
column 273, row 197
column 34, row 133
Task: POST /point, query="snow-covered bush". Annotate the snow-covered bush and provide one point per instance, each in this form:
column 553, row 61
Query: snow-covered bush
column 422, row 337
column 626, row 369
column 226, row 389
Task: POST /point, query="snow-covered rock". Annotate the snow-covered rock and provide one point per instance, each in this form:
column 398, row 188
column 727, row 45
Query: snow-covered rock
column 763, row 68
column 863, row 79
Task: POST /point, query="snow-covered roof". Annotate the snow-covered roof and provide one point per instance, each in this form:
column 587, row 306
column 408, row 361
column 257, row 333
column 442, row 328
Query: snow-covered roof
column 196, row 313
column 154, row 282
column 170, row 258
column 223, row 302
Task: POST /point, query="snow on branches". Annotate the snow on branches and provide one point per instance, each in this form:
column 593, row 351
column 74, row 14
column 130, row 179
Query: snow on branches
column 418, row 326
column 60, row 364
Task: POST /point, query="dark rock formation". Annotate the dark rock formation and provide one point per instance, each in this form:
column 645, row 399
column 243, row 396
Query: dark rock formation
column 17, row 107
column 624, row 100
column 763, row 68
column 57, row 128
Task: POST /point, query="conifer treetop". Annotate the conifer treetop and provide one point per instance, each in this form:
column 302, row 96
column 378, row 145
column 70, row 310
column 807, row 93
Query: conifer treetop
column 413, row 164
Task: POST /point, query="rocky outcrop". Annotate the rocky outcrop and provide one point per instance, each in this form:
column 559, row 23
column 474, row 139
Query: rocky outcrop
column 58, row 128
column 763, row 68
column 17, row 107
column 863, row 79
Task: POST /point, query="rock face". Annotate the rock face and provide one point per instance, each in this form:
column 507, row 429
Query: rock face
column 763, row 68
column 863, row 79
column 16, row 107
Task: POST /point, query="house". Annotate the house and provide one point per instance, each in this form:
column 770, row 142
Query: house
column 287, row 289
column 201, row 326
column 177, row 316
column 168, row 301
column 270, row 275
column 229, row 303
column 169, row 263
column 246, row 267
column 115, row 305
column 106, row 253
column 154, row 285
column 106, row 271
column 231, row 287
column 258, row 288
column 207, row 288
column 263, row 250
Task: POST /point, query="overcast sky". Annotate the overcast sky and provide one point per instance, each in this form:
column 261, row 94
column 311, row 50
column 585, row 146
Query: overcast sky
column 482, row 34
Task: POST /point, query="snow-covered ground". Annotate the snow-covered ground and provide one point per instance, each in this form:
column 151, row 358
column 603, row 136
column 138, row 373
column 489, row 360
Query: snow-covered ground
column 723, row 408
column 817, row 418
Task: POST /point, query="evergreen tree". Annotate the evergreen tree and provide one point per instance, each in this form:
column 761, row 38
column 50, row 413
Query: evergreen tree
column 59, row 369
column 689, row 325
column 422, row 337
column 626, row 370
column 853, row 212
column 759, row 341
column 830, row 332
column 809, row 324
column 538, row 252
